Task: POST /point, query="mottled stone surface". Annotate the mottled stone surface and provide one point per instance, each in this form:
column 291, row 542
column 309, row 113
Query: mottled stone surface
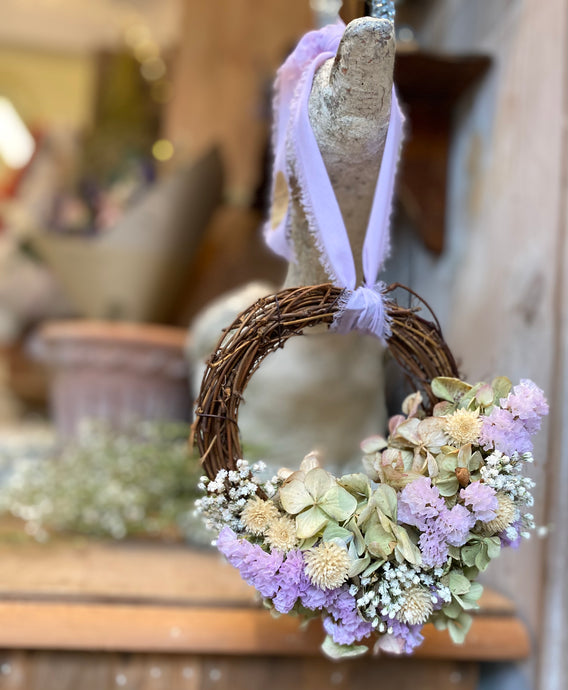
column 349, row 113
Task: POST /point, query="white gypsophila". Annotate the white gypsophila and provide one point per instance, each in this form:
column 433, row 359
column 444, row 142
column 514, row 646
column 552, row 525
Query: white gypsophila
column 228, row 494
column 382, row 595
column 503, row 474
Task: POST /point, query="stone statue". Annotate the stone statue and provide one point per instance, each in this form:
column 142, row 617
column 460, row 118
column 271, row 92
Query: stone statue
column 324, row 391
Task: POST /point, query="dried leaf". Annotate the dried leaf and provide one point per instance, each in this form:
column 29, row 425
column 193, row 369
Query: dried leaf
column 449, row 389
column 338, row 503
column 318, row 482
column 294, row 496
column 310, row 522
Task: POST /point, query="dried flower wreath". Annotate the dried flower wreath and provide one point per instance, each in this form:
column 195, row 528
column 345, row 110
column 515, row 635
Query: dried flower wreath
column 395, row 547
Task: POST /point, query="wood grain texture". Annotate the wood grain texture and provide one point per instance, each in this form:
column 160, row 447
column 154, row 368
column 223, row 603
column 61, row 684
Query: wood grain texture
column 82, row 671
column 221, row 630
column 149, row 597
column 496, row 288
column 554, row 661
column 151, row 573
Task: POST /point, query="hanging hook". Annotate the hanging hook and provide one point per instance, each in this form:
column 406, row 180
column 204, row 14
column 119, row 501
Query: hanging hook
column 382, row 9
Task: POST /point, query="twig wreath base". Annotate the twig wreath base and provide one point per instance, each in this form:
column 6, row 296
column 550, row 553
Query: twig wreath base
column 387, row 550
column 415, row 343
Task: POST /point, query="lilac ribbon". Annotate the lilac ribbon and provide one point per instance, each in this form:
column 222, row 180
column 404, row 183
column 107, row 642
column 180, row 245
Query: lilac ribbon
column 362, row 308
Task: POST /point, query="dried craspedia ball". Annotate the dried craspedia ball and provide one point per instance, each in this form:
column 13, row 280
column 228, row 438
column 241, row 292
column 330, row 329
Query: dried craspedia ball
column 463, row 427
column 327, row 565
column 258, row 515
column 506, row 515
column 281, row 535
column 416, row 607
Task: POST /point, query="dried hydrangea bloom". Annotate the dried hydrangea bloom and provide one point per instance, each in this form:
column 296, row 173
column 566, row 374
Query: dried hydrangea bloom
column 463, row 427
column 258, row 515
column 281, row 534
column 327, row 565
column 416, row 607
column 507, row 513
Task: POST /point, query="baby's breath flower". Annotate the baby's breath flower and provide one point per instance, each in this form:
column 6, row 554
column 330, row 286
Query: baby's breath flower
column 463, row 427
column 416, row 606
column 327, row 565
column 281, row 534
column 258, row 515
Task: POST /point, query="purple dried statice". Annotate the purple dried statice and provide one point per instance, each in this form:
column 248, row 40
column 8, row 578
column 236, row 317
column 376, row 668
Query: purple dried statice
column 527, row 403
column 410, row 635
column 420, row 505
column 290, row 581
column 501, row 431
column 284, row 580
column 256, row 567
column 312, row 597
column 433, row 545
column 344, row 623
column 419, row 502
column 455, row 524
column 482, row 500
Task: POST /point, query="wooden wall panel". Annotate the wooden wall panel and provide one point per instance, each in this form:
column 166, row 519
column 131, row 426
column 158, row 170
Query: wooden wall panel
column 554, row 661
column 500, row 288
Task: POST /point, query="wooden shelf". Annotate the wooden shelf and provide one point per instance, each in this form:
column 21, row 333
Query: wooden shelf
column 149, row 597
column 430, row 86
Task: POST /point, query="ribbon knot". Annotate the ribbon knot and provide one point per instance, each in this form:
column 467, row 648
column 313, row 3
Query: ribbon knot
column 363, row 310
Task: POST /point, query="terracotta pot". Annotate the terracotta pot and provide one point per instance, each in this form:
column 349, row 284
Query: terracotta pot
column 115, row 372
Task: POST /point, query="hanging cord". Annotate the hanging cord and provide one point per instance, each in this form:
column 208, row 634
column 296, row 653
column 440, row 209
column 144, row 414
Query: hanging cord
column 382, row 9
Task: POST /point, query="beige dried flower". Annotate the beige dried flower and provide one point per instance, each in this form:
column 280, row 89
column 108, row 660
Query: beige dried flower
column 327, row 565
column 506, row 514
column 463, row 427
column 417, row 606
column 258, row 515
column 281, row 534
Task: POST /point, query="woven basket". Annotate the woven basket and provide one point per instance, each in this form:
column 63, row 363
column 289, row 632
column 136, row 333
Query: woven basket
column 415, row 343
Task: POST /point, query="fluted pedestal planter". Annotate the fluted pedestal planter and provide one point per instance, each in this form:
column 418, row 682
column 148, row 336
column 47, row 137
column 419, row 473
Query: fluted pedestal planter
column 117, row 373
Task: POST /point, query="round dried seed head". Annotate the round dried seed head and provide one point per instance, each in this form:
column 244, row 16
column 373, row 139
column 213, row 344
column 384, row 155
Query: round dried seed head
column 506, row 515
column 281, row 534
column 258, row 515
column 327, row 565
column 417, row 606
column 463, row 427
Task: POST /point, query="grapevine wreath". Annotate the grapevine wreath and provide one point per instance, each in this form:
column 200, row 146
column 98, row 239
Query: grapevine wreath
column 399, row 545
column 402, row 543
